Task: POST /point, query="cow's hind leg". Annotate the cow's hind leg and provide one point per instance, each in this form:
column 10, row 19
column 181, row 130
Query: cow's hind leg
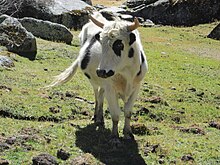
column 99, row 99
column 127, row 113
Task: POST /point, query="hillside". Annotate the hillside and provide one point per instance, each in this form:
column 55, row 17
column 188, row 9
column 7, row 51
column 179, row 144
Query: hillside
column 175, row 118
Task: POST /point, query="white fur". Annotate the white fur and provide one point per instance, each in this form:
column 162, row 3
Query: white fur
column 124, row 84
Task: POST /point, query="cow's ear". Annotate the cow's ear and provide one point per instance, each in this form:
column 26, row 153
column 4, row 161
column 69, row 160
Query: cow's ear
column 132, row 38
column 97, row 36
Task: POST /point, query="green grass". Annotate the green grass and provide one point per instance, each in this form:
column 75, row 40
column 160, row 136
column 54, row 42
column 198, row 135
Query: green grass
column 184, row 74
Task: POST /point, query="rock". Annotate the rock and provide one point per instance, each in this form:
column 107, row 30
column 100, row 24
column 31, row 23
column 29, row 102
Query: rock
column 62, row 154
column 47, row 30
column 71, row 13
column 215, row 33
column 6, row 62
column 175, row 12
column 16, row 38
column 148, row 23
column 135, row 3
column 126, row 17
column 44, row 159
column 4, row 161
column 88, row 2
column 111, row 12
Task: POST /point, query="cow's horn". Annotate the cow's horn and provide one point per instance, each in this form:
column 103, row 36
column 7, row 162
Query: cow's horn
column 95, row 21
column 134, row 25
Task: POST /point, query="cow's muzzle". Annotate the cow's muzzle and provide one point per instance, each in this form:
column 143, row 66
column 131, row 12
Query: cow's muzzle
column 103, row 74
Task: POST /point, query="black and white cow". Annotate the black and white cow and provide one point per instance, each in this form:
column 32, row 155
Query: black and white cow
column 113, row 60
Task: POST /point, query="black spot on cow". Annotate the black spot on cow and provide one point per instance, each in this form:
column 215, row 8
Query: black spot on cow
column 131, row 53
column 139, row 72
column 117, row 47
column 97, row 36
column 132, row 38
column 85, row 60
column 86, row 57
column 142, row 57
column 87, row 75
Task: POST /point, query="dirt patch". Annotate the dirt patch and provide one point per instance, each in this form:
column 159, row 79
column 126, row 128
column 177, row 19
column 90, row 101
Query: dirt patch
column 214, row 125
column 4, row 162
column 85, row 159
column 205, row 52
column 141, row 129
column 62, row 154
column 44, row 159
column 153, row 148
column 192, row 129
column 5, row 88
column 7, row 114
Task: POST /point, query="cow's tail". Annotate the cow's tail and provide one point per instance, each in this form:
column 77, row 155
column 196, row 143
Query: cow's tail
column 65, row 75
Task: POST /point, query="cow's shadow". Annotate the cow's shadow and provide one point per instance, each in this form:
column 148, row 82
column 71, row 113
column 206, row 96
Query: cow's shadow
column 96, row 142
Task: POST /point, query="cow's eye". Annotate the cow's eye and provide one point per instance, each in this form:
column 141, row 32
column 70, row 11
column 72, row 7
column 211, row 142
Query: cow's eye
column 117, row 47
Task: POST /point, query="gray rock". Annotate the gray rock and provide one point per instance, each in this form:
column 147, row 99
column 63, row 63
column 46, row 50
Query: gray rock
column 71, row 13
column 111, row 12
column 135, row 3
column 88, row 1
column 6, row 62
column 16, row 38
column 215, row 33
column 176, row 12
column 47, row 30
column 113, row 9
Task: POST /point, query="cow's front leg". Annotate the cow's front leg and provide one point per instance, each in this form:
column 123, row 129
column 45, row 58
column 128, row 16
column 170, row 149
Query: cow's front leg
column 99, row 99
column 128, row 113
column 114, row 109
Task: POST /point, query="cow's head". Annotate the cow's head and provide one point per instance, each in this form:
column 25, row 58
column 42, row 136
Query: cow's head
column 116, row 40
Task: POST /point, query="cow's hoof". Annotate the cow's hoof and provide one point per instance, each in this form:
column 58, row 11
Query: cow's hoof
column 115, row 142
column 128, row 136
column 99, row 122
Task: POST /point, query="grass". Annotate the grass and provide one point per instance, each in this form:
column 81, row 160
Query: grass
column 178, row 99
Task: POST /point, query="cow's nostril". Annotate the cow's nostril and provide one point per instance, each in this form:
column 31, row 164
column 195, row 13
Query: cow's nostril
column 110, row 73
column 101, row 73
column 104, row 74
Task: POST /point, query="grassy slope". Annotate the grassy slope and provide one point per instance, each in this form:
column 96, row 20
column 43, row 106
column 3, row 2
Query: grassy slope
column 179, row 61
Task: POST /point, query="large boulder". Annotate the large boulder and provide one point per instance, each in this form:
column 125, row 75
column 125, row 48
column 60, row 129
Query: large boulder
column 16, row 38
column 176, row 12
column 71, row 13
column 215, row 33
column 47, row 30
